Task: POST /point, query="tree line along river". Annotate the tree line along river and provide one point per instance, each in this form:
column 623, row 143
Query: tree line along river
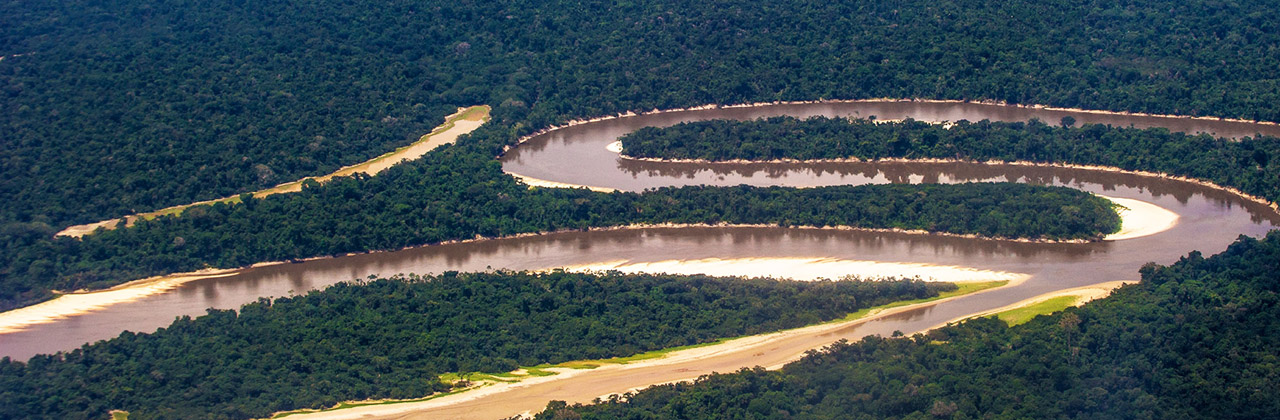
column 1209, row 220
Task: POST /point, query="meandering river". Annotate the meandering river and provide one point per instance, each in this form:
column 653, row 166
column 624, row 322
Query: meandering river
column 1210, row 219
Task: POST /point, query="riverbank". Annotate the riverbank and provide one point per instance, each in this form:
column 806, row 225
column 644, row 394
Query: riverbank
column 1082, row 295
column 462, row 122
column 618, row 374
column 616, row 147
column 1109, row 169
column 1140, row 217
column 75, row 303
column 80, row 303
column 577, row 122
column 542, row 183
column 67, row 305
column 804, row 269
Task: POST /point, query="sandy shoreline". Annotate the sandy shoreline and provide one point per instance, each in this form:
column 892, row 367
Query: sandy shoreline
column 742, row 347
column 72, row 304
column 1140, row 219
column 83, row 302
column 576, row 122
column 542, row 183
column 805, row 269
column 1110, row 169
column 462, row 122
column 1084, row 294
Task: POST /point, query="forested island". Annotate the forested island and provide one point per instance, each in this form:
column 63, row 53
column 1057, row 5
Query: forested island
column 1247, row 164
column 120, row 108
column 392, row 338
column 396, row 210
column 1196, row 339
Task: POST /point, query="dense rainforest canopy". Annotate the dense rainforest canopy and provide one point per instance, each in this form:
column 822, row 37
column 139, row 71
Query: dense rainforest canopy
column 121, row 106
column 392, row 338
column 114, row 107
column 1196, row 339
column 431, row 201
column 1246, row 164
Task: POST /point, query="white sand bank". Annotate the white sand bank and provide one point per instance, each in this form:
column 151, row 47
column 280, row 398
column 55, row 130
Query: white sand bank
column 1139, row 218
column 771, row 350
column 799, row 268
column 72, row 304
column 615, row 147
column 542, row 183
column 462, row 122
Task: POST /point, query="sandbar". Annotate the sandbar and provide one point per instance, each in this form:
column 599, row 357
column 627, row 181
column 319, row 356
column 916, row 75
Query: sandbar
column 1083, row 294
column 76, row 303
column 542, row 183
column 771, row 350
column 462, row 122
column 1139, row 218
column 800, row 268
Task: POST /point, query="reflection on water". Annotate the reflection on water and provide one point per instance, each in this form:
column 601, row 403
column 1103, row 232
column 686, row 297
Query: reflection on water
column 1210, row 219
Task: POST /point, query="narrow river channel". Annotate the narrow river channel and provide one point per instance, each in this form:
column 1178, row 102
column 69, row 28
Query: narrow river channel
column 1209, row 220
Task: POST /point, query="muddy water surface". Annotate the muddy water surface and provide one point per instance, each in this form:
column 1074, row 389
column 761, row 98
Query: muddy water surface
column 1209, row 220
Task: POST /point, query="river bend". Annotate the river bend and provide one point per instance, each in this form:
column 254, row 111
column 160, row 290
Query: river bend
column 1210, row 219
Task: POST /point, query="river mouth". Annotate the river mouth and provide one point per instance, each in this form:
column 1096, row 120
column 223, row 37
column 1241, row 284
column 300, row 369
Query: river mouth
column 1209, row 219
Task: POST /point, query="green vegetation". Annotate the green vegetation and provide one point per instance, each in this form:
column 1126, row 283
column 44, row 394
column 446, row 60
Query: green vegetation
column 544, row 369
column 1196, row 339
column 124, row 106
column 391, row 338
column 1026, row 313
column 1247, row 164
column 128, row 106
column 475, row 113
column 961, row 289
column 430, row 202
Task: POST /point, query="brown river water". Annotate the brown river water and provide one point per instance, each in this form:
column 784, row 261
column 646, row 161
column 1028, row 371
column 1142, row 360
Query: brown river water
column 1210, row 219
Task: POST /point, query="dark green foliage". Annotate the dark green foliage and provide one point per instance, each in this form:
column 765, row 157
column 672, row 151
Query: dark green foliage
column 1247, row 164
column 1193, row 340
column 431, row 201
column 390, row 338
column 110, row 107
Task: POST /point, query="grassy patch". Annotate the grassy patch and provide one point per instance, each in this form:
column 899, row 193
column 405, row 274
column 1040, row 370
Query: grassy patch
column 354, row 404
column 963, row 289
column 1026, row 313
column 119, row 415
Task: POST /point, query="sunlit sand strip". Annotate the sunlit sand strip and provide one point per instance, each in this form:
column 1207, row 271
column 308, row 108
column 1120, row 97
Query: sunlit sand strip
column 1140, row 218
column 373, row 167
column 746, row 348
column 542, row 183
column 462, row 122
column 615, row 147
column 802, row 269
column 1083, row 294
column 72, row 304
